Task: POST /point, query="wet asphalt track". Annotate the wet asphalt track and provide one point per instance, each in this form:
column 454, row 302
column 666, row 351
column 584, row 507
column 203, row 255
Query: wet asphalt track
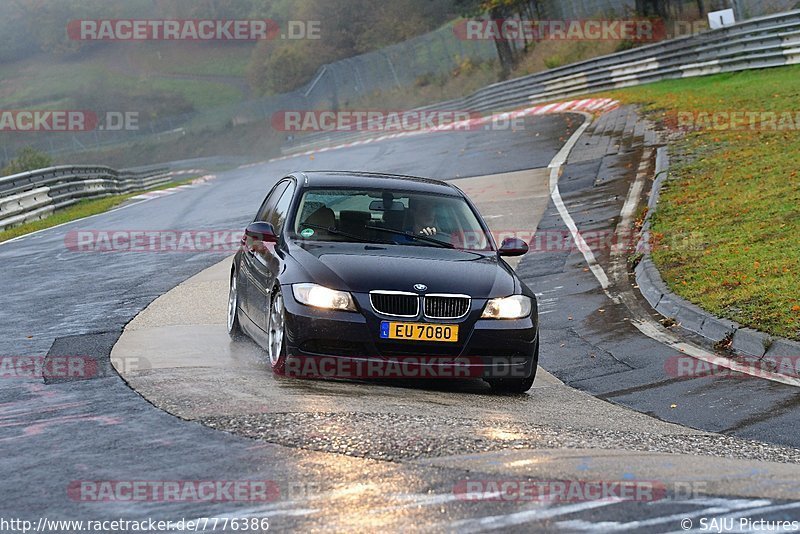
column 71, row 303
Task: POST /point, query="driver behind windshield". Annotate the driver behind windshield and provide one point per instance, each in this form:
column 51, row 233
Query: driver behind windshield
column 422, row 216
column 397, row 218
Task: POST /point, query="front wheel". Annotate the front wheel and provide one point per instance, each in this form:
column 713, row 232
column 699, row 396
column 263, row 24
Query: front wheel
column 277, row 333
column 516, row 385
column 234, row 328
column 512, row 385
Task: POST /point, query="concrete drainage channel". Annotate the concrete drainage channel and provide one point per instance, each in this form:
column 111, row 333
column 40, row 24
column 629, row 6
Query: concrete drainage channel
column 749, row 347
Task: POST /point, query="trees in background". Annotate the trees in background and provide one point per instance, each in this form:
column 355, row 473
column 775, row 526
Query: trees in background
column 508, row 53
column 664, row 8
column 27, row 159
column 33, row 26
column 347, row 28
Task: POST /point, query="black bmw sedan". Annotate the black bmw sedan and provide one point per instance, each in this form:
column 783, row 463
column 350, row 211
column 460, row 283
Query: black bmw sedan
column 364, row 275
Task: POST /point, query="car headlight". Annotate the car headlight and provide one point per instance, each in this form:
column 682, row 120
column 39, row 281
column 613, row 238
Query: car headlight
column 513, row 307
column 323, row 297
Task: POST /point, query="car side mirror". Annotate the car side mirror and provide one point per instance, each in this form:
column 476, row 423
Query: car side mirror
column 512, row 246
column 261, row 231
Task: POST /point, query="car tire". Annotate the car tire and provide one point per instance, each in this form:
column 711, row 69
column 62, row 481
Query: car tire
column 512, row 385
column 234, row 327
column 276, row 332
column 516, row 385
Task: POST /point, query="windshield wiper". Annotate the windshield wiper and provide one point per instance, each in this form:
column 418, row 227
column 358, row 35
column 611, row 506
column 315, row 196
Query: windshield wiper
column 334, row 231
column 413, row 236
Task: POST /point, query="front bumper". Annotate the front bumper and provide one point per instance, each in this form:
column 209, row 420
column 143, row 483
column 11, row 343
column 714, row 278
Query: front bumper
column 339, row 344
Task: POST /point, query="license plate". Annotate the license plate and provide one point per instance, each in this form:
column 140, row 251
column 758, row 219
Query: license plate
column 419, row 331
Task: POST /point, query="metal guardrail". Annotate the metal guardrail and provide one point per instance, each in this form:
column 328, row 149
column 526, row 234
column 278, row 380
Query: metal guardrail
column 32, row 195
column 754, row 44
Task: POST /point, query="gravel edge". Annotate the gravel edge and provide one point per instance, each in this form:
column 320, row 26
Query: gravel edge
column 398, row 438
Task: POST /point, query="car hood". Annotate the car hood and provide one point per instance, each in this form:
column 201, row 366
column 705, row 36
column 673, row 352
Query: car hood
column 361, row 268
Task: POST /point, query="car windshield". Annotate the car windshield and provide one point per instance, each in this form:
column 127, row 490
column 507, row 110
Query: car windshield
column 388, row 217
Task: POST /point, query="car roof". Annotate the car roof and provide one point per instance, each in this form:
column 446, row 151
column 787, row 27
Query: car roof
column 370, row 180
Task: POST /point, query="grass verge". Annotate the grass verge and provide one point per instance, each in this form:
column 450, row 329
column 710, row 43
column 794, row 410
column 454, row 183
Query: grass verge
column 84, row 208
column 726, row 230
